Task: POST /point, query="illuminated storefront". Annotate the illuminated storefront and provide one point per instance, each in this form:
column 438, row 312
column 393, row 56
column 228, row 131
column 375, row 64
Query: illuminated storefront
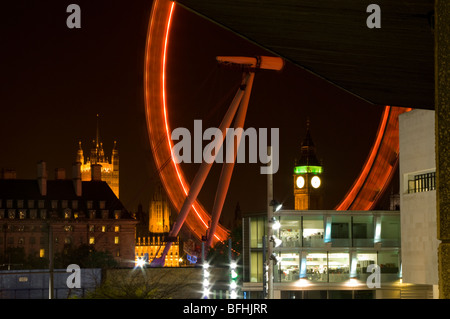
column 326, row 251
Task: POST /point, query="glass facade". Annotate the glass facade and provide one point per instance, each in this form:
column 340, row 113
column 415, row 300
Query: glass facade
column 327, row 247
column 313, row 231
column 258, row 228
column 363, row 231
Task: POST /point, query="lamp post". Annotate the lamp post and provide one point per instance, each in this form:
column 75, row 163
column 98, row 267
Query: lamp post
column 272, row 205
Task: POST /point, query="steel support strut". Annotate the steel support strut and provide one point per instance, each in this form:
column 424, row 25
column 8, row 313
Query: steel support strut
column 249, row 65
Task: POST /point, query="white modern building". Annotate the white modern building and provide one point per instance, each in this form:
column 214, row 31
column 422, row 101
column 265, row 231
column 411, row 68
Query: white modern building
column 419, row 241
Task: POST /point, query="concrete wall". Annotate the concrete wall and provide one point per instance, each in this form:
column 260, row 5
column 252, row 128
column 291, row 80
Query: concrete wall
column 418, row 210
column 33, row 284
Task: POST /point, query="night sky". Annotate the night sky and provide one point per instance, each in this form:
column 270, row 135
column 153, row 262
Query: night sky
column 55, row 80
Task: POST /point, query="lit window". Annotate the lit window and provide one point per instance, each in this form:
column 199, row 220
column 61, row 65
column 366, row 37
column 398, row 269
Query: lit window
column 91, row 240
column 42, row 252
column 103, row 229
column 22, row 214
column 116, row 240
column 91, row 228
column 422, row 183
column 116, row 229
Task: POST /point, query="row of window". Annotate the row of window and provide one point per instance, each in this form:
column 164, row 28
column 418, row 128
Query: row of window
column 67, row 228
column 54, row 204
column 43, row 240
column 340, row 231
column 327, row 266
column 44, row 214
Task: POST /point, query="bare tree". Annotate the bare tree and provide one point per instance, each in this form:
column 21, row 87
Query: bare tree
column 152, row 283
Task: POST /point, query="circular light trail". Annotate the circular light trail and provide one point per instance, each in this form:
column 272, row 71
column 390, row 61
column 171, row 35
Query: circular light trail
column 157, row 118
column 369, row 185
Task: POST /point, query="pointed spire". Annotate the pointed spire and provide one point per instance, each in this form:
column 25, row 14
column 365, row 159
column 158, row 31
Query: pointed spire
column 308, row 150
column 97, row 138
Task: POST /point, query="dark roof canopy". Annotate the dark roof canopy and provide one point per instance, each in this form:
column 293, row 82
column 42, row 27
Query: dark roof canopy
column 21, row 189
column 392, row 65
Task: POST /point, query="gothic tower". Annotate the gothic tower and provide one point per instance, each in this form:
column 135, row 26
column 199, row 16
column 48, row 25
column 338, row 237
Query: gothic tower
column 307, row 176
column 109, row 169
column 152, row 232
column 159, row 212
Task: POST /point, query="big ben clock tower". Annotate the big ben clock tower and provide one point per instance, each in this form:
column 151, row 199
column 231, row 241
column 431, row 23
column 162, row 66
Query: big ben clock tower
column 308, row 177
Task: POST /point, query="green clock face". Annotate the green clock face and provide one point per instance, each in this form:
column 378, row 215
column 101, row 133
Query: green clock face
column 315, row 181
column 300, row 182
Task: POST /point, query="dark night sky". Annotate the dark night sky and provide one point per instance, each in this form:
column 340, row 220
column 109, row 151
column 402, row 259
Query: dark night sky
column 55, row 80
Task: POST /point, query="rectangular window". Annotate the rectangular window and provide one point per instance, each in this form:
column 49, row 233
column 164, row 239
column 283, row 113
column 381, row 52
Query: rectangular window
column 389, row 265
column 257, row 231
column 316, row 267
column 116, row 229
column 103, row 229
column 340, row 231
column 362, row 231
column 390, row 231
column 116, row 240
column 42, row 252
column 363, row 261
column 288, row 267
column 290, row 231
column 422, row 183
column 91, row 240
column 313, row 231
column 338, row 267
column 33, row 213
column 256, row 266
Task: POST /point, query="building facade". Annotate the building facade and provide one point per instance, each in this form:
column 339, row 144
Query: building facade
column 328, row 254
column 42, row 214
column 418, row 198
column 153, row 230
column 97, row 163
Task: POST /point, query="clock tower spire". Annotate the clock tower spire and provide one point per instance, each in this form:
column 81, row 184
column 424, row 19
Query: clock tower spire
column 307, row 176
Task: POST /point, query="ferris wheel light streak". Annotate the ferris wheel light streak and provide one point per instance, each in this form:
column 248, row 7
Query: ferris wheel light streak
column 373, row 178
column 157, row 111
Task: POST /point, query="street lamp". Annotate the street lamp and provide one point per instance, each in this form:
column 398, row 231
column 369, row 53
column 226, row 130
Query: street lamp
column 205, row 280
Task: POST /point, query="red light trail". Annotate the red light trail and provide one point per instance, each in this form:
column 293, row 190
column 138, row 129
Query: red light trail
column 374, row 177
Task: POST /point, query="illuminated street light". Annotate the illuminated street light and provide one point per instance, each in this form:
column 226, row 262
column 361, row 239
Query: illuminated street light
column 206, row 285
column 275, row 223
column 276, row 205
column 233, row 280
column 276, row 241
column 140, row 262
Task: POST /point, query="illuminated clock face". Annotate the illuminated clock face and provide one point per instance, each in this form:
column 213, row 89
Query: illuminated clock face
column 315, row 181
column 300, row 181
